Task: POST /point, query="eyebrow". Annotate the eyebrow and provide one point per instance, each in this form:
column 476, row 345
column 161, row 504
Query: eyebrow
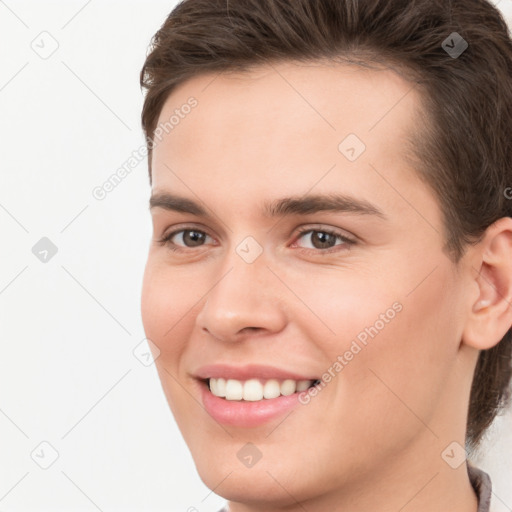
column 300, row 205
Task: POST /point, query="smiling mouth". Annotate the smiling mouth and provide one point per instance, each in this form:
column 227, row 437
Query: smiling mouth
column 254, row 390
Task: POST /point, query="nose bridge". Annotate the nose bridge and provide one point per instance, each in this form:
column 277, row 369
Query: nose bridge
column 242, row 295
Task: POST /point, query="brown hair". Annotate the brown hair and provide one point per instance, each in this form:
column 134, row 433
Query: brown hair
column 463, row 148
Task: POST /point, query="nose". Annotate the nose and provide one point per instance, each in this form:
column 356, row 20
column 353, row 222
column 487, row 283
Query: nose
column 245, row 298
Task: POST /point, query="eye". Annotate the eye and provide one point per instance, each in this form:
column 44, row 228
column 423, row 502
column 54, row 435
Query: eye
column 318, row 240
column 184, row 238
column 324, row 240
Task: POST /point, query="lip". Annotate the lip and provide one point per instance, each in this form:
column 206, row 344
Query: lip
column 242, row 413
column 251, row 371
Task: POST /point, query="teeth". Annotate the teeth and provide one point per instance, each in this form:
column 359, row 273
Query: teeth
column 234, row 390
column 254, row 390
column 271, row 389
column 288, row 387
column 302, row 385
column 221, row 387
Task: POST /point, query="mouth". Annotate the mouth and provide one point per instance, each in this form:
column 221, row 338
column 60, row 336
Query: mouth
column 254, row 389
column 249, row 401
column 250, row 395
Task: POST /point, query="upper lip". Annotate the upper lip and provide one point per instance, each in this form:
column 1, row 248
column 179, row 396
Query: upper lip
column 255, row 371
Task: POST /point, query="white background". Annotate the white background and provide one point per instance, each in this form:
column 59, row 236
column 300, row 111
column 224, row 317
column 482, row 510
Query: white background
column 68, row 327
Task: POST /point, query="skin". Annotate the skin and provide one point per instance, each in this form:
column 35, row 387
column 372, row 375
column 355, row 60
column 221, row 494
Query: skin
column 372, row 438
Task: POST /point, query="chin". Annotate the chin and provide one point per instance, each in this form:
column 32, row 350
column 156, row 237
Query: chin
column 272, row 480
column 250, row 486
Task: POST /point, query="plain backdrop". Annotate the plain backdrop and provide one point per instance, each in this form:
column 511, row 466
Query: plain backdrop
column 84, row 424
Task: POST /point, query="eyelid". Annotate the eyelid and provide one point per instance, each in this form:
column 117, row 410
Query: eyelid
column 186, row 226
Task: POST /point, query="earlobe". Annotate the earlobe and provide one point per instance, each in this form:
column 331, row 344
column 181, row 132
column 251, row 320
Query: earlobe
column 491, row 313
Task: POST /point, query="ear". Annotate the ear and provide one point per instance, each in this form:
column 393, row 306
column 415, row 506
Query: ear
column 490, row 316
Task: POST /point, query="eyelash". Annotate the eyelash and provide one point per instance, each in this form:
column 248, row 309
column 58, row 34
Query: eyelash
column 348, row 242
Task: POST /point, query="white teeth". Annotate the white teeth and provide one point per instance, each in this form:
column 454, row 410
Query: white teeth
column 234, row 390
column 221, row 387
column 254, row 390
column 271, row 389
column 288, row 387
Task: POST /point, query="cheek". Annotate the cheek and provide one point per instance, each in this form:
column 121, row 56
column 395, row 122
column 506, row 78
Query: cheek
column 343, row 306
column 397, row 346
column 167, row 300
column 393, row 316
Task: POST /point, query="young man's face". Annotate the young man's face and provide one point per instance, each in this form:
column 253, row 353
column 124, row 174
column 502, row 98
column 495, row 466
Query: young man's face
column 382, row 316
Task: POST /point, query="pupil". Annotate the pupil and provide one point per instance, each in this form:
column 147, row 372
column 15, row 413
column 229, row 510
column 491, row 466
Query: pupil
column 323, row 240
column 194, row 237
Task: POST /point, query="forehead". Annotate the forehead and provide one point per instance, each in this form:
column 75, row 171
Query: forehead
column 325, row 88
column 288, row 124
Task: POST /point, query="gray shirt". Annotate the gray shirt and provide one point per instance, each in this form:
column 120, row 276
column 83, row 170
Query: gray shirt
column 482, row 485
column 479, row 480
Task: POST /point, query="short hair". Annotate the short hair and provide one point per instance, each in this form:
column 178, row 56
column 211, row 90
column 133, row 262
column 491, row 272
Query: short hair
column 462, row 144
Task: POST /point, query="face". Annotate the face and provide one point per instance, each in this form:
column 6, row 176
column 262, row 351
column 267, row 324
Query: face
column 296, row 252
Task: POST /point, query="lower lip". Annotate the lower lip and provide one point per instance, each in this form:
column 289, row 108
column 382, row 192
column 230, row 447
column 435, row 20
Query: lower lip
column 243, row 413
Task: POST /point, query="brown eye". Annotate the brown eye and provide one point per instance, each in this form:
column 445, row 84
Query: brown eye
column 193, row 238
column 322, row 239
column 185, row 238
